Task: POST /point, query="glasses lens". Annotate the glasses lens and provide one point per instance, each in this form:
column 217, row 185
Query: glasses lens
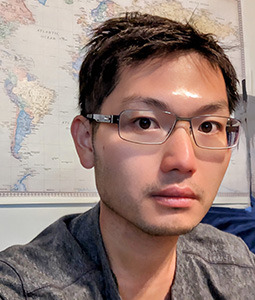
column 233, row 130
column 145, row 127
column 215, row 132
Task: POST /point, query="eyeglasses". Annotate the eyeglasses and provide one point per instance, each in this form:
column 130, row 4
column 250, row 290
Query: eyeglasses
column 154, row 127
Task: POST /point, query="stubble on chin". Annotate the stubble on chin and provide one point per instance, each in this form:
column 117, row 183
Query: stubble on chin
column 117, row 204
column 143, row 226
column 169, row 229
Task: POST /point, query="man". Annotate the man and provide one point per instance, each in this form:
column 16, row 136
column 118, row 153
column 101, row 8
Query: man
column 156, row 98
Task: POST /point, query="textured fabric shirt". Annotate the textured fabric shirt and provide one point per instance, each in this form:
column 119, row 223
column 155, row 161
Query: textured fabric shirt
column 68, row 261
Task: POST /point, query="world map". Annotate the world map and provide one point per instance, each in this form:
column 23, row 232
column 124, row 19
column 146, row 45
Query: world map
column 41, row 50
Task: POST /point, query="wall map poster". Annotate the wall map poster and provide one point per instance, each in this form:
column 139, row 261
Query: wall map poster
column 41, row 44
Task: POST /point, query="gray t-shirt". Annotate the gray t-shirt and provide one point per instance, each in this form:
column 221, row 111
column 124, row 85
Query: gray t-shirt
column 68, row 261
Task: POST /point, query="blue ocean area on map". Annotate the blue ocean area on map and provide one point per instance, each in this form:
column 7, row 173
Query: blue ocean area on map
column 23, row 122
column 30, row 77
column 8, row 85
column 20, row 186
column 43, row 2
column 99, row 12
column 23, row 128
column 76, row 66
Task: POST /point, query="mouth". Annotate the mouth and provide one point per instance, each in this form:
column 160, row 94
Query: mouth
column 175, row 197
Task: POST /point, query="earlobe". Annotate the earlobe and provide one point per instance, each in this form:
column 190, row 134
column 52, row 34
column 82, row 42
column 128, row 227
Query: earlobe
column 81, row 130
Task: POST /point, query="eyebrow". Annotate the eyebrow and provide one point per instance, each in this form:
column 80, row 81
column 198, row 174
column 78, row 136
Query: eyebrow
column 156, row 103
column 213, row 107
column 148, row 101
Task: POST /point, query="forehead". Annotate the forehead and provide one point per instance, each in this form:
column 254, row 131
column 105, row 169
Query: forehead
column 182, row 83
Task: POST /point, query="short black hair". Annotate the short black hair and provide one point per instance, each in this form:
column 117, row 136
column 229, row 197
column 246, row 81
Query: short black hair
column 134, row 38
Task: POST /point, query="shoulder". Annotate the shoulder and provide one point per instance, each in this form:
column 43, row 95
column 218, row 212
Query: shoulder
column 54, row 258
column 216, row 246
column 212, row 264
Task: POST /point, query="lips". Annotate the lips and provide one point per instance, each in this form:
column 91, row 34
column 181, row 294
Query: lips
column 175, row 197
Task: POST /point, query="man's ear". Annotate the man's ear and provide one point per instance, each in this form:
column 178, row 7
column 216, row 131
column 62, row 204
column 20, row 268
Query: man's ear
column 81, row 130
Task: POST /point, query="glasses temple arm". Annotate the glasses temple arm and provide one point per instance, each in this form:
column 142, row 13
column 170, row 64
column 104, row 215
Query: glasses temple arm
column 103, row 118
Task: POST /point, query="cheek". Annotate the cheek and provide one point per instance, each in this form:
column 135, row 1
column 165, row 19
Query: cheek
column 125, row 167
column 212, row 170
column 119, row 154
column 112, row 160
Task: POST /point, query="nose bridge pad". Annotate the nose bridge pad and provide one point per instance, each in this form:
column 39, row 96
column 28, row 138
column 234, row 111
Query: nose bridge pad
column 190, row 129
column 191, row 132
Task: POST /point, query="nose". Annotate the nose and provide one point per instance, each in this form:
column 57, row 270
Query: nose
column 179, row 151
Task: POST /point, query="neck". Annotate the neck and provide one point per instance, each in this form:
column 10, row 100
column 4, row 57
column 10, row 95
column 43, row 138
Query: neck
column 144, row 265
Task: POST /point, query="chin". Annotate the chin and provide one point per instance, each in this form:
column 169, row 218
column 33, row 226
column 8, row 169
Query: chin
column 157, row 230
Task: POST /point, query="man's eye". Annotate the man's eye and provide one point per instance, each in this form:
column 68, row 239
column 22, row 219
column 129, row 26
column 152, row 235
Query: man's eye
column 209, row 127
column 144, row 123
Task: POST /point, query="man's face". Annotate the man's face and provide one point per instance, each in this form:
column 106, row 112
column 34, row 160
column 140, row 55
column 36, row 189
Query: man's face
column 162, row 189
